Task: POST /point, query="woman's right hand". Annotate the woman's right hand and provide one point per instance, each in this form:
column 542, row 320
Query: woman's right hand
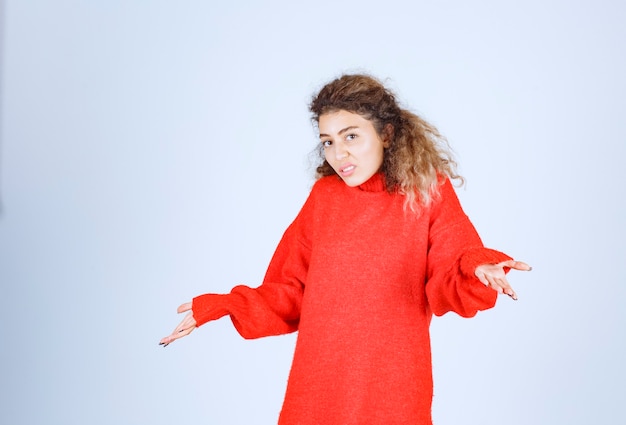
column 184, row 328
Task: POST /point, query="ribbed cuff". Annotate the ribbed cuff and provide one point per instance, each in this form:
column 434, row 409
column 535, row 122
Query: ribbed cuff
column 209, row 307
column 475, row 257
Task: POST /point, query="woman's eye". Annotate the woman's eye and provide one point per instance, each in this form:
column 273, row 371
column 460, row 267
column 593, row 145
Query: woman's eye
column 326, row 143
column 351, row 137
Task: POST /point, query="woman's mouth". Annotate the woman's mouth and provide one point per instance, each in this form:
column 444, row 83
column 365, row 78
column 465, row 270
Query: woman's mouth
column 347, row 170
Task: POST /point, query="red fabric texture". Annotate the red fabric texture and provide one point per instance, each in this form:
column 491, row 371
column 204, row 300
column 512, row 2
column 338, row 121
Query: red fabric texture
column 359, row 277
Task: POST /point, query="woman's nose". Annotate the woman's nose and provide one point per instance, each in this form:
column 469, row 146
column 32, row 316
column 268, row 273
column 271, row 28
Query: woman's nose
column 341, row 152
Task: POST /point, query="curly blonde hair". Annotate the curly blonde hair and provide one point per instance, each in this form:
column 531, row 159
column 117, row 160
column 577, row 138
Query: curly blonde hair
column 418, row 157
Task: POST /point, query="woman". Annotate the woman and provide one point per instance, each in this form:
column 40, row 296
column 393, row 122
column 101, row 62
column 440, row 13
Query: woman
column 379, row 246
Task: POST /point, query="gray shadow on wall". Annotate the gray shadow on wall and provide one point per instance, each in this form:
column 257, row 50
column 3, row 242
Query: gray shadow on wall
column 2, row 38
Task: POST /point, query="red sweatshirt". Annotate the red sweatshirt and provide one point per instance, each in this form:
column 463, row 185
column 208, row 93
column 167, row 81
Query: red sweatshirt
column 359, row 277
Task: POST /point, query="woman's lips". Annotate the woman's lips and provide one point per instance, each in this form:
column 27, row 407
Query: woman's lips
column 347, row 170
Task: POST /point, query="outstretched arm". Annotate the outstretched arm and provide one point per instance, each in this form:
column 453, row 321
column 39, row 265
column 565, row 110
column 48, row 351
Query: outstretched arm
column 463, row 275
column 271, row 309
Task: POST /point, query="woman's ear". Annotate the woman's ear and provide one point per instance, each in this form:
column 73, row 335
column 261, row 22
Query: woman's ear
column 388, row 131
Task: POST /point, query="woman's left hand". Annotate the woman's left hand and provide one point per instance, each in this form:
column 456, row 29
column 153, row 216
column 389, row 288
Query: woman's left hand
column 494, row 276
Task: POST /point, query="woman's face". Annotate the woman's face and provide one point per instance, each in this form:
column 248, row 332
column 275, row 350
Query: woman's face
column 351, row 146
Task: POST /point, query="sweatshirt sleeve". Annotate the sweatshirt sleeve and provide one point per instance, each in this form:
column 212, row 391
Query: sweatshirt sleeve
column 454, row 252
column 274, row 307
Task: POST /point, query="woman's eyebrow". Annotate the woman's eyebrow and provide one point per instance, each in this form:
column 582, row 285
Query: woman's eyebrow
column 352, row 127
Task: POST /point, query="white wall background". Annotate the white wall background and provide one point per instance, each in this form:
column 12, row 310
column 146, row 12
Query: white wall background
column 154, row 150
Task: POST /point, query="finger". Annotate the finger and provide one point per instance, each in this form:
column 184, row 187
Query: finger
column 482, row 278
column 184, row 307
column 186, row 323
column 506, row 288
column 185, row 332
column 501, row 285
column 516, row 265
column 520, row 265
column 184, row 328
column 494, row 284
column 176, row 335
column 511, row 293
column 165, row 341
column 481, row 275
column 179, row 334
